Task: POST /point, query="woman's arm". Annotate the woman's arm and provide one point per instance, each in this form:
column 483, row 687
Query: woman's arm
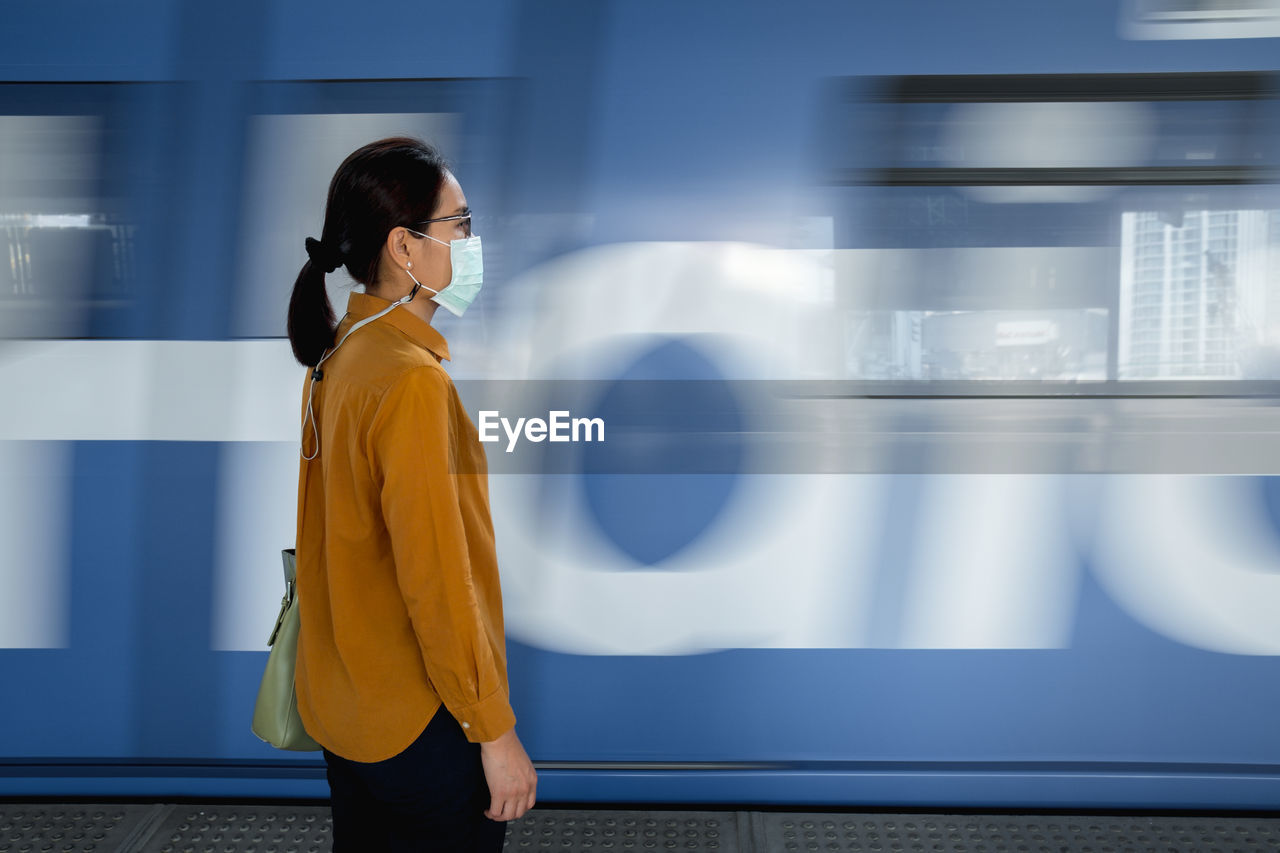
column 409, row 449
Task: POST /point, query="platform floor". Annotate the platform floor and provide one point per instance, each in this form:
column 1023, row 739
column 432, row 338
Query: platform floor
column 298, row 828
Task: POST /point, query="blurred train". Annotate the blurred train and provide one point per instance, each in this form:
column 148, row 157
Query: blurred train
column 936, row 346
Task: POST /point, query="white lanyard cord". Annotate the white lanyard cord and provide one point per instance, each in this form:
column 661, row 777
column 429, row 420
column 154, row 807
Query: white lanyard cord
column 318, row 374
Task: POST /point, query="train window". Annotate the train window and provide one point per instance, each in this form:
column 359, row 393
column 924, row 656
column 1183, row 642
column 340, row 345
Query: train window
column 1199, row 19
column 1070, row 228
column 299, row 134
column 66, row 239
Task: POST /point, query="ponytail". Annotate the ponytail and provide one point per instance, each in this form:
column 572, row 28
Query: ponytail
column 311, row 321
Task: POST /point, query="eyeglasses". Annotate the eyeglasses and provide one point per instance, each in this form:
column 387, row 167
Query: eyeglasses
column 465, row 217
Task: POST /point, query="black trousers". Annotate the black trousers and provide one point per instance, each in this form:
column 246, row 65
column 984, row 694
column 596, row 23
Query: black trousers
column 430, row 797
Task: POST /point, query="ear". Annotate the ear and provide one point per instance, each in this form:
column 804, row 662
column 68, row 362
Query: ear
column 397, row 247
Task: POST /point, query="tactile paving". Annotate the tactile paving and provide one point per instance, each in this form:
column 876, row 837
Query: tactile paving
column 597, row 831
column 36, row 828
column 307, row 829
column 209, row 828
column 243, row 829
column 923, row 833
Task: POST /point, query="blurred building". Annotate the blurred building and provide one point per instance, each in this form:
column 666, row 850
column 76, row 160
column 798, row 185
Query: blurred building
column 1199, row 294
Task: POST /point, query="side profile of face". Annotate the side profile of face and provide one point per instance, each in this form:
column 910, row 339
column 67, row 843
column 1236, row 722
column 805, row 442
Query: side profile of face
column 428, row 260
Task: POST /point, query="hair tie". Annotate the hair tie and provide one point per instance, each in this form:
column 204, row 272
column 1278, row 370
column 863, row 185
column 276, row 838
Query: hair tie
column 323, row 255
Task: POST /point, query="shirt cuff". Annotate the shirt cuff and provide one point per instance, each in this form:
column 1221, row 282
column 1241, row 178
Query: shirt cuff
column 487, row 719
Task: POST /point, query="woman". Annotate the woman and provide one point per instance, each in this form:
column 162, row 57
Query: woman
column 401, row 672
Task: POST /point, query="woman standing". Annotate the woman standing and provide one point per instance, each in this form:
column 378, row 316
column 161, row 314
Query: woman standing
column 401, row 672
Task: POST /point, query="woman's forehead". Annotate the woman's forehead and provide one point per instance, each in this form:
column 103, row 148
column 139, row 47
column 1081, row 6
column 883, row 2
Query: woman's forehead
column 451, row 198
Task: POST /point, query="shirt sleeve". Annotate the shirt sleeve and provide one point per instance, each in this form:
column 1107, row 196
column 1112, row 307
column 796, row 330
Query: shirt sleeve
column 410, row 447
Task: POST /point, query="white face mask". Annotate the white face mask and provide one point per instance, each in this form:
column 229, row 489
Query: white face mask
column 468, row 273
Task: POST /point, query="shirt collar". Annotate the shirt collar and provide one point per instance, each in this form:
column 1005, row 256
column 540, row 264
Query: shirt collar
column 361, row 305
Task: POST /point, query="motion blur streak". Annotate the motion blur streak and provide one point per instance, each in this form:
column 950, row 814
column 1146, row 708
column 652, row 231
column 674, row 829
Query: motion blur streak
column 34, row 544
column 149, row 390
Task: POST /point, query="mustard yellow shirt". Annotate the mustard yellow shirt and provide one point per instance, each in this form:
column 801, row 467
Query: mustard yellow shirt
column 399, row 599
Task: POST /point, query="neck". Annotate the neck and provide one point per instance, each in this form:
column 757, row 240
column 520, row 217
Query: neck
column 420, row 305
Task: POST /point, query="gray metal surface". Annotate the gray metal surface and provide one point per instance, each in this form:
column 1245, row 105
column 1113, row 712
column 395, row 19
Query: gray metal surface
column 256, row 828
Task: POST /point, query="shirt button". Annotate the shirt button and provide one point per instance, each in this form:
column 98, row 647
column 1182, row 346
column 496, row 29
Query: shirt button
column 466, row 725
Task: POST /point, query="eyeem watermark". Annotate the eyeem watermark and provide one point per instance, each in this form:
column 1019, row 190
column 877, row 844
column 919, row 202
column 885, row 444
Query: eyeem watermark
column 559, row 426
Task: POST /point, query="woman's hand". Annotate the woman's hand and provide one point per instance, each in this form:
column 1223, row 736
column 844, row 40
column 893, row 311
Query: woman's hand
column 510, row 775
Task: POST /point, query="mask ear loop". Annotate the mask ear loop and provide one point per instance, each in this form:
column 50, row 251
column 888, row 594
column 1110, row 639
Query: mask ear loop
column 416, row 283
column 311, row 416
column 317, row 374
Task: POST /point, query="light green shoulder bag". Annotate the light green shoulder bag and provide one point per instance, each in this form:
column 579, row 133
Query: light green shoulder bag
column 275, row 715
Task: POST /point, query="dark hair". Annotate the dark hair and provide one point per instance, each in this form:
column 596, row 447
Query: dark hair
column 383, row 185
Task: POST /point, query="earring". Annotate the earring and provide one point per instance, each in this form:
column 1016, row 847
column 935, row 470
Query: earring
column 409, row 265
